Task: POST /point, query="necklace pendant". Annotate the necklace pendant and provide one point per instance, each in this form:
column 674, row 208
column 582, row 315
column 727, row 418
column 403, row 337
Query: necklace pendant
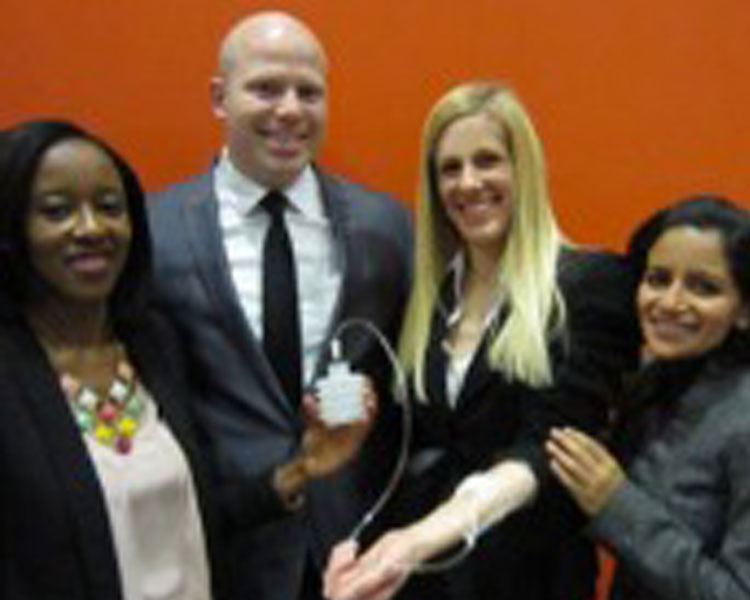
column 127, row 427
column 112, row 420
column 107, row 412
column 84, row 419
column 124, row 444
column 134, row 407
column 104, row 433
column 87, row 398
column 120, row 392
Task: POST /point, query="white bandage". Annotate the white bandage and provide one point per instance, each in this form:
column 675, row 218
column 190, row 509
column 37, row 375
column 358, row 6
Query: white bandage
column 497, row 492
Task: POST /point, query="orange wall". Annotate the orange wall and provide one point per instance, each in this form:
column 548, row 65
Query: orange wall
column 638, row 101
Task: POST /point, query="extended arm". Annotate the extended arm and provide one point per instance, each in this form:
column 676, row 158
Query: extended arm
column 479, row 501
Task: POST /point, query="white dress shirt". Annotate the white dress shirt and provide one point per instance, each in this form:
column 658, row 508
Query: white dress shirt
column 244, row 224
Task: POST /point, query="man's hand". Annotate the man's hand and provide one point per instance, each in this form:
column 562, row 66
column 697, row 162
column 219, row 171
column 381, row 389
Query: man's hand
column 325, row 449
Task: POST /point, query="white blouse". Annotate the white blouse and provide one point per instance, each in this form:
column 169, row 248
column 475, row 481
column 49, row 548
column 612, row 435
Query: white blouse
column 458, row 364
column 153, row 511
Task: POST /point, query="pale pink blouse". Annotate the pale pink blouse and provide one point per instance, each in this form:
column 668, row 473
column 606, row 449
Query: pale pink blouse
column 153, row 511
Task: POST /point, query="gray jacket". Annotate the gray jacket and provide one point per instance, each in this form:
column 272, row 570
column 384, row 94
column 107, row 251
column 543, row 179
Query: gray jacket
column 250, row 425
column 680, row 527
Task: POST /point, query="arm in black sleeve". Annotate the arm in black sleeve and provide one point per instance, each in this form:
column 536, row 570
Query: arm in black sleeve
column 601, row 341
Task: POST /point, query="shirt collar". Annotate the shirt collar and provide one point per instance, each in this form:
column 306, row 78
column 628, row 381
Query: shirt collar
column 457, row 271
column 303, row 193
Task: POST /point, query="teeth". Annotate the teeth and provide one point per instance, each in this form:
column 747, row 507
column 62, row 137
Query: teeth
column 479, row 205
column 669, row 328
column 285, row 137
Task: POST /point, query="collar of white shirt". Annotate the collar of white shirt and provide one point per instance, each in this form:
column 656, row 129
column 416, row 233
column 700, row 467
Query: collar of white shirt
column 457, row 267
column 244, row 195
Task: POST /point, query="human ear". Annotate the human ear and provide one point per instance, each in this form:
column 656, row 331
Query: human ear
column 743, row 319
column 218, row 95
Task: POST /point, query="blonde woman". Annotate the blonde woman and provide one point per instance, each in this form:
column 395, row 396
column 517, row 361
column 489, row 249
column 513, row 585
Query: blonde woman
column 507, row 334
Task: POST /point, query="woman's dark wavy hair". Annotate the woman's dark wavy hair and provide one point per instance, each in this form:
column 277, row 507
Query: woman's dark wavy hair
column 709, row 212
column 22, row 148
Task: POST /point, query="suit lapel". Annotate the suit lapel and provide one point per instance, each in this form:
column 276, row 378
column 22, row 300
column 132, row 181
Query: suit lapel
column 337, row 207
column 479, row 374
column 69, row 458
column 478, row 377
column 436, row 362
column 200, row 214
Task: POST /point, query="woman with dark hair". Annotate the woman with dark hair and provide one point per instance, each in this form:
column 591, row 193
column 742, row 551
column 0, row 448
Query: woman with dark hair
column 103, row 495
column 21, row 152
column 103, row 491
column 677, row 516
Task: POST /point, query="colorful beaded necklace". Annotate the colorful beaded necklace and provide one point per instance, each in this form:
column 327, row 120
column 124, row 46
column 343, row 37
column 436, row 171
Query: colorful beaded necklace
column 112, row 420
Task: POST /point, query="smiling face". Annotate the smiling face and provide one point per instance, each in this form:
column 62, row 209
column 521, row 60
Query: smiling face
column 271, row 96
column 687, row 299
column 78, row 229
column 475, row 181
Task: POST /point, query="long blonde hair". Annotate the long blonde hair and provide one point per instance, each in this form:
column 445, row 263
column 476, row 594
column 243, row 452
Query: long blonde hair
column 527, row 264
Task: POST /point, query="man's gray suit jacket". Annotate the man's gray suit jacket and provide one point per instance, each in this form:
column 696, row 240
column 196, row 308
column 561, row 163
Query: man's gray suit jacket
column 249, row 425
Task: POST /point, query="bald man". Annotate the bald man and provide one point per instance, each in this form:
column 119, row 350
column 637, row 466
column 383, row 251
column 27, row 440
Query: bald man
column 351, row 250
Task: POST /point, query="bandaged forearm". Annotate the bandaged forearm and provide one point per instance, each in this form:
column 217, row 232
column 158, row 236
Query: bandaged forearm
column 494, row 494
column 479, row 502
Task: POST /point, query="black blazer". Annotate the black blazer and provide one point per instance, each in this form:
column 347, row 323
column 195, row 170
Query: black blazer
column 534, row 554
column 251, row 425
column 55, row 533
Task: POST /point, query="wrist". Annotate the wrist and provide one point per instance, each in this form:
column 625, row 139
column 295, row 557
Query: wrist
column 422, row 540
column 289, row 481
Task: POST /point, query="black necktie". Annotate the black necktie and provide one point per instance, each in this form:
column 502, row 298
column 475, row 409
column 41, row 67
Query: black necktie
column 281, row 332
